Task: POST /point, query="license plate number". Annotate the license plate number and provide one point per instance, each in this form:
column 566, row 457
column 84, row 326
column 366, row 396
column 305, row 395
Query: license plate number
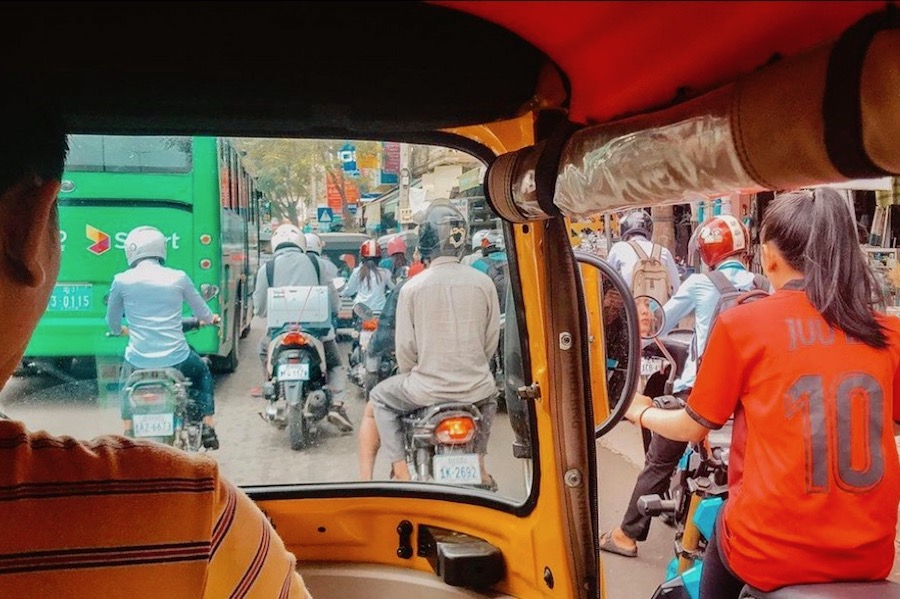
column 650, row 366
column 457, row 469
column 293, row 372
column 153, row 425
column 71, row 298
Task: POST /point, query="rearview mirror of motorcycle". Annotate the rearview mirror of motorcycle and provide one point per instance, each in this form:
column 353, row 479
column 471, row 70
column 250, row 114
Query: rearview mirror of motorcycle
column 651, row 316
column 363, row 312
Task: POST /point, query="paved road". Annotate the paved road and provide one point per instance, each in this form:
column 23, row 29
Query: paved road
column 252, row 452
column 255, row 453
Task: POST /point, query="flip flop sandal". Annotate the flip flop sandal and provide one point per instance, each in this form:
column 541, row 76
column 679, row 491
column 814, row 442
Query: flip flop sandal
column 609, row 545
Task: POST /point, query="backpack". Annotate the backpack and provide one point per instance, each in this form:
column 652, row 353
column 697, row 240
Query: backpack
column 270, row 270
column 650, row 276
column 730, row 296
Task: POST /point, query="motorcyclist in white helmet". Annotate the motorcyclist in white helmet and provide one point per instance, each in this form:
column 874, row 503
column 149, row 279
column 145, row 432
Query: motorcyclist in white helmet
column 150, row 297
column 292, row 266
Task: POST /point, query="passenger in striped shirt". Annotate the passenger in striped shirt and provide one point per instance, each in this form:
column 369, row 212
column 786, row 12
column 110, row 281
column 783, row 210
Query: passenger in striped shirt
column 110, row 517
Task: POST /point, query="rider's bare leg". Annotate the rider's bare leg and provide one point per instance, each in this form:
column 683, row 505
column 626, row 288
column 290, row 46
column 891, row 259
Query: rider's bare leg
column 369, row 441
column 401, row 470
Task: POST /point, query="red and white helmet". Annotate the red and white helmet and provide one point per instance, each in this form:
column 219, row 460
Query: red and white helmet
column 370, row 249
column 721, row 237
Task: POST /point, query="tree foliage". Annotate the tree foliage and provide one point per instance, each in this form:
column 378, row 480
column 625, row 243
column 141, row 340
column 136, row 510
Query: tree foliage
column 291, row 171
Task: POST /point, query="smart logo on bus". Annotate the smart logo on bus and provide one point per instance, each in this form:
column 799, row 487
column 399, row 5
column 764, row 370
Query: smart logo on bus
column 101, row 243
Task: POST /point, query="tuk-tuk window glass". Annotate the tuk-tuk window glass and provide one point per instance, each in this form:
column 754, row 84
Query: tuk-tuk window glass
column 278, row 358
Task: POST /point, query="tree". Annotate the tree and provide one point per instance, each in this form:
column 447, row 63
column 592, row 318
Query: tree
column 293, row 172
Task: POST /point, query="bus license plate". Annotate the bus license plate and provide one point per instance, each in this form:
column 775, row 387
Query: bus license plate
column 153, row 425
column 71, row 298
column 293, row 372
column 457, row 469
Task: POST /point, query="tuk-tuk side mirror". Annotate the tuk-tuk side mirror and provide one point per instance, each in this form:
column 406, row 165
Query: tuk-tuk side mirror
column 614, row 340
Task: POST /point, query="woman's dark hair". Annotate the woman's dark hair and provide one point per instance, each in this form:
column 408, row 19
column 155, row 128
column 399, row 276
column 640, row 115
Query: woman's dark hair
column 814, row 232
column 369, row 268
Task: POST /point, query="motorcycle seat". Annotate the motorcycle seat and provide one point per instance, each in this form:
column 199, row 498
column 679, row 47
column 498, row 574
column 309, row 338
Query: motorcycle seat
column 883, row 589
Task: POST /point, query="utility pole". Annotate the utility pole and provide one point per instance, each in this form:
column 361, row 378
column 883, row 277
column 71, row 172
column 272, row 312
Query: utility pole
column 403, row 218
column 664, row 226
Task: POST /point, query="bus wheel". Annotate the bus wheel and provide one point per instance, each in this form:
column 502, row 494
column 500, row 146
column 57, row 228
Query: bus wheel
column 229, row 363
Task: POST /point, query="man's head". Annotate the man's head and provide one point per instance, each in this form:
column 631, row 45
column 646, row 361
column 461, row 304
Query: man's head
column 492, row 242
column 443, row 232
column 721, row 238
column 636, row 223
column 143, row 243
column 288, row 236
column 314, row 244
column 32, row 155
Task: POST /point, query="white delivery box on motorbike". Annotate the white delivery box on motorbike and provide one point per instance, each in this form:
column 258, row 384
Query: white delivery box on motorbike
column 307, row 306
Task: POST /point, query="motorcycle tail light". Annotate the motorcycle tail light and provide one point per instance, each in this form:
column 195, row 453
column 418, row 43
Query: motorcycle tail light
column 294, row 338
column 370, row 325
column 147, row 397
column 455, row 431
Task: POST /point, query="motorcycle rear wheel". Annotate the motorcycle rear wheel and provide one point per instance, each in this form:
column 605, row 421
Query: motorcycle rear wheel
column 298, row 428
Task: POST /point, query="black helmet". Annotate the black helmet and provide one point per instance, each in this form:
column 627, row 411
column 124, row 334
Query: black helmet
column 442, row 232
column 636, row 222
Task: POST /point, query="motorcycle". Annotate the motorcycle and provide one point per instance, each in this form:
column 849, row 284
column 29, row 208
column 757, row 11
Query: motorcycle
column 439, row 442
column 160, row 401
column 296, row 393
column 365, row 369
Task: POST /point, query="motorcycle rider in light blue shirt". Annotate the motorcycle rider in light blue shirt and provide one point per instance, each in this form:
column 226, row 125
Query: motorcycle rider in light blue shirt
column 150, row 296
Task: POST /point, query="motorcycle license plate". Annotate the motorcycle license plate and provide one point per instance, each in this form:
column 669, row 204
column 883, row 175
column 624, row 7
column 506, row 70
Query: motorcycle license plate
column 364, row 338
column 293, row 372
column 153, row 425
column 457, row 469
column 650, row 366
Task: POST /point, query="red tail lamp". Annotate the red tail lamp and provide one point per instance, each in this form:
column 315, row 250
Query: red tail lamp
column 294, row 338
column 370, row 325
column 455, row 431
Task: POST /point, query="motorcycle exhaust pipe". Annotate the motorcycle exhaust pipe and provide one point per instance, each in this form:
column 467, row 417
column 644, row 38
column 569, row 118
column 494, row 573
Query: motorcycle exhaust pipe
column 832, row 114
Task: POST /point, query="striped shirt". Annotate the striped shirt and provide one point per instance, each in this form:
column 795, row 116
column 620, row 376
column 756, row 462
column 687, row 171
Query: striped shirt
column 115, row 517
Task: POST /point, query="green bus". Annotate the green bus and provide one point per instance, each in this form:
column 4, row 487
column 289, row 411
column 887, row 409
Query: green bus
column 196, row 191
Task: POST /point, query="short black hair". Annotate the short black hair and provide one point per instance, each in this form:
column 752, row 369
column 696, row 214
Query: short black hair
column 32, row 138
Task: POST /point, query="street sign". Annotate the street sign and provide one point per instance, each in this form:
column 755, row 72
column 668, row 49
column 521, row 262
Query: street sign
column 406, row 216
column 325, row 214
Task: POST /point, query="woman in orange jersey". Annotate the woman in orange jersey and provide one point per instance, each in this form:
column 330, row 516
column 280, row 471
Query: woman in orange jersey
column 811, row 377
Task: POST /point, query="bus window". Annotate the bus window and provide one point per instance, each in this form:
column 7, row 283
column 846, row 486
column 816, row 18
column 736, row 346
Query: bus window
column 132, row 154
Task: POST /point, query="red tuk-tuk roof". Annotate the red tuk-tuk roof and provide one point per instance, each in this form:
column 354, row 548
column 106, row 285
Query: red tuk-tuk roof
column 629, row 57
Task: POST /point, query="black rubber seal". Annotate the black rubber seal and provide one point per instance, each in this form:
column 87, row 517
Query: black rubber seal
column 842, row 104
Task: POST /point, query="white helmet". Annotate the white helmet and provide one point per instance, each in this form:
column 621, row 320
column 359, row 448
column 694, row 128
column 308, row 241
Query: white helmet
column 288, row 235
column 145, row 242
column 314, row 243
column 478, row 237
